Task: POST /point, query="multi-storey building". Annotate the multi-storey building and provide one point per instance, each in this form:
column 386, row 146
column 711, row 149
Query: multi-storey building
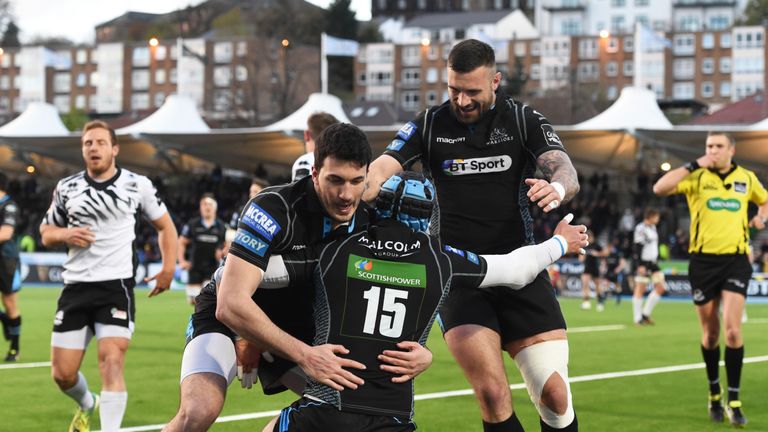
column 388, row 8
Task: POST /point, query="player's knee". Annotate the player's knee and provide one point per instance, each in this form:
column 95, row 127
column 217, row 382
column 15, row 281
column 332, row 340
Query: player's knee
column 198, row 418
column 711, row 338
column 64, row 379
column 111, row 363
column 544, row 367
column 554, row 395
column 493, row 396
column 733, row 336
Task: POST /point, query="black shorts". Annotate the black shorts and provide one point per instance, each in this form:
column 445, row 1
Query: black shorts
column 651, row 267
column 612, row 277
column 83, row 304
column 309, row 415
column 712, row 274
column 513, row 314
column 199, row 274
column 8, row 267
column 592, row 270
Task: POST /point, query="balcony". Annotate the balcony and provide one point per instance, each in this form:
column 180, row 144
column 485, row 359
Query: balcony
column 565, row 5
column 703, row 3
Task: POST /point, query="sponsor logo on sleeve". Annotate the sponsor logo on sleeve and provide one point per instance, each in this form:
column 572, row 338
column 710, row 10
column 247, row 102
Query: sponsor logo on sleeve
column 261, row 221
column 550, row 135
column 396, row 145
column 250, row 242
column 477, row 166
column 740, row 187
column 406, row 132
column 452, row 249
column 473, row 258
column 387, row 272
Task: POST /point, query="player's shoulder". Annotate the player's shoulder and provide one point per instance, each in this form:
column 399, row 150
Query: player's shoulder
column 74, row 179
column 131, row 178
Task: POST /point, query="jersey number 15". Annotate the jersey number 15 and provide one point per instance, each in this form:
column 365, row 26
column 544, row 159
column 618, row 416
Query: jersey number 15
column 391, row 316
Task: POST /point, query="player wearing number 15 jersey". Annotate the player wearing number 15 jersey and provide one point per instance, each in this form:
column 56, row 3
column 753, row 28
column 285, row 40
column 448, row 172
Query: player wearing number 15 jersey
column 384, row 285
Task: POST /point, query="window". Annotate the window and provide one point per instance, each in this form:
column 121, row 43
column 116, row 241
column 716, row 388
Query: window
column 241, row 73
column 140, row 101
column 361, row 78
column 432, row 75
column 535, row 71
column 172, row 76
column 61, row 83
column 707, row 41
column 629, row 44
column 7, row 60
column 642, row 20
column 81, row 80
column 140, row 81
column 94, row 79
column 683, row 69
column 81, row 56
column 242, row 49
column 222, row 52
column 141, row 57
column 520, row 49
column 161, row 52
column 222, row 76
column 684, row 44
column 5, row 82
column 570, row 27
column 159, row 99
column 587, row 71
column 611, row 69
column 221, row 100
column 431, row 97
column 618, row 3
column 629, row 68
column 725, row 88
column 610, row 92
column 536, row 48
column 612, row 46
column 411, row 76
column 80, row 101
column 618, row 23
column 725, row 65
column 411, row 55
column 62, row 103
column 410, row 101
column 725, row 40
column 682, row 90
column 588, row 48
column 719, row 22
column 689, row 23
column 432, row 52
column 707, row 89
column 642, row 2
column 707, row 66
column 160, row 76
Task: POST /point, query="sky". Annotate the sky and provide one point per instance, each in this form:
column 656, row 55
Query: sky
column 75, row 19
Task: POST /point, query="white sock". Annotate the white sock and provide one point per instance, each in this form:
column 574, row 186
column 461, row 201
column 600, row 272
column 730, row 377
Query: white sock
column 650, row 303
column 80, row 393
column 637, row 309
column 112, row 410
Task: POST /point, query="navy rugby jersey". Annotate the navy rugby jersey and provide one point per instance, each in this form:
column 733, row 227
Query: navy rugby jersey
column 9, row 215
column 204, row 241
column 479, row 170
column 374, row 289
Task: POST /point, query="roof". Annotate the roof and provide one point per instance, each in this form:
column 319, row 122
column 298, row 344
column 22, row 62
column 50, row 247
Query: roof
column 317, row 102
column 456, row 19
column 749, row 110
column 371, row 113
column 131, row 16
column 177, row 115
column 635, row 108
column 38, row 120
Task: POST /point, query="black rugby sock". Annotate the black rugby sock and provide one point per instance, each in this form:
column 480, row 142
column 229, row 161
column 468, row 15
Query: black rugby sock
column 14, row 328
column 512, row 424
column 734, row 359
column 712, row 361
column 573, row 427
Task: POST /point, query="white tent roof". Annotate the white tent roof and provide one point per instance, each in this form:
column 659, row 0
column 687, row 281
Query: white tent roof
column 38, row 120
column 635, row 108
column 317, row 102
column 761, row 125
column 177, row 115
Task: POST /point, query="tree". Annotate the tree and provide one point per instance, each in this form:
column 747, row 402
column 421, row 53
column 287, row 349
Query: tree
column 756, row 13
column 75, row 119
column 11, row 36
column 517, row 80
column 341, row 22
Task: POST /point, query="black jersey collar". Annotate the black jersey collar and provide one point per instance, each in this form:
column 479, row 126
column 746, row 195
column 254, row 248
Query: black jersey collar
column 105, row 184
column 724, row 176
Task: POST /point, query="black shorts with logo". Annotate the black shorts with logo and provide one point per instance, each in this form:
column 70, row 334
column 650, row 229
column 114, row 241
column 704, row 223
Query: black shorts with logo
column 8, row 268
column 513, row 314
column 86, row 303
column 712, row 274
column 309, row 415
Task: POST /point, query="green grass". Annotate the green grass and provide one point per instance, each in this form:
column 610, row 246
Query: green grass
column 675, row 401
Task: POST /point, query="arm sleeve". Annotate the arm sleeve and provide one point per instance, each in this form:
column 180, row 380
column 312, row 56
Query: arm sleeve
column 759, row 195
column 10, row 215
column 151, row 204
column 540, row 136
column 185, row 230
column 276, row 275
column 520, row 267
column 261, row 229
column 686, row 184
column 57, row 213
column 408, row 143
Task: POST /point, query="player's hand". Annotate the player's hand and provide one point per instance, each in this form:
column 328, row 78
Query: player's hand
column 575, row 235
column 322, row 364
column 162, row 280
column 706, row 161
column 543, row 193
column 408, row 363
column 248, row 356
column 81, row 237
column 185, row 264
column 757, row 222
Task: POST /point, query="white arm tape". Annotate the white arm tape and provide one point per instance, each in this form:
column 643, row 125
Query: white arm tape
column 520, row 267
column 559, row 189
column 276, row 275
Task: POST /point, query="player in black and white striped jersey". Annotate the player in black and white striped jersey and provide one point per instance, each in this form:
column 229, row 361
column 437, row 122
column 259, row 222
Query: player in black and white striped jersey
column 95, row 213
column 647, row 269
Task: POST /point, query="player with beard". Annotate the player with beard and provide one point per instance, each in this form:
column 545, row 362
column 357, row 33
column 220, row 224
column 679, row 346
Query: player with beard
column 481, row 149
column 94, row 213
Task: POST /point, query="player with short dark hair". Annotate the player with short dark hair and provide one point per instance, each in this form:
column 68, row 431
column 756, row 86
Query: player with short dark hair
column 204, row 235
column 718, row 192
column 316, row 123
column 10, row 281
column 382, row 286
column 94, row 213
column 481, row 149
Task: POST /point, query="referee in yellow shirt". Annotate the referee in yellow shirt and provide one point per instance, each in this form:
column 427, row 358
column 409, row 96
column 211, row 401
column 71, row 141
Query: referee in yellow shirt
column 718, row 192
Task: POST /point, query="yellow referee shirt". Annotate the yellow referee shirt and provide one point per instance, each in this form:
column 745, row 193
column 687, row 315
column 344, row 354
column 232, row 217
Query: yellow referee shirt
column 718, row 206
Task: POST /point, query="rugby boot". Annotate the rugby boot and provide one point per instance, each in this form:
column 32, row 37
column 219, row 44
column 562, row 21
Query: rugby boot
column 715, row 407
column 13, row 355
column 735, row 415
column 82, row 420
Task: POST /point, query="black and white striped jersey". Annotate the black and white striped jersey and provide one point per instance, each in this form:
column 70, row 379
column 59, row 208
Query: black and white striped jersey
column 646, row 235
column 111, row 210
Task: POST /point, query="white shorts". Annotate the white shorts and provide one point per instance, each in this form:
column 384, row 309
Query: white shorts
column 211, row 353
column 79, row 339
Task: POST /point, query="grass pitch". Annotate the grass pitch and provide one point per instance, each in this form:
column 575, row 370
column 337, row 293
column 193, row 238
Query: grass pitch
column 600, row 343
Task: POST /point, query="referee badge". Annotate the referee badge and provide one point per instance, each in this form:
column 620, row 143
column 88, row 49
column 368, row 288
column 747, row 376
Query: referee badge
column 740, row 187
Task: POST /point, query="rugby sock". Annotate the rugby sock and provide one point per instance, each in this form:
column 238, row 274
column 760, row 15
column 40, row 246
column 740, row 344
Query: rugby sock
column 712, row 361
column 512, row 424
column 14, row 328
column 734, row 359
column 637, row 309
column 650, row 303
column 80, row 394
column 573, row 427
column 4, row 320
column 112, row 410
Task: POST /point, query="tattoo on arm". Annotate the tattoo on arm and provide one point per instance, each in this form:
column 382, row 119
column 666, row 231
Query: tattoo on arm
column 557, row 166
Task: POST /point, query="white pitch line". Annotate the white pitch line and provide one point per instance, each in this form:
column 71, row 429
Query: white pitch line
column 467, row 392
column 596, row 328
column 24, row 365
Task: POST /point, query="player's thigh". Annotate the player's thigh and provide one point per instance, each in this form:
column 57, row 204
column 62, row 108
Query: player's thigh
column 528, row 312
column 709, row 315
column 113, row 348
column 7, row 274
column 477, row 349
column 209, row 353
column 66, row 362
column 203, row 393
column 733, row 309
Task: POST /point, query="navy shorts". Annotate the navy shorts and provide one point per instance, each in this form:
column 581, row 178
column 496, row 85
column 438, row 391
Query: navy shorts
column 306, row 415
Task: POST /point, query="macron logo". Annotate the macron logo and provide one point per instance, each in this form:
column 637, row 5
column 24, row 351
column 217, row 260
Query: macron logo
column 258, row 219
column 248, row 241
